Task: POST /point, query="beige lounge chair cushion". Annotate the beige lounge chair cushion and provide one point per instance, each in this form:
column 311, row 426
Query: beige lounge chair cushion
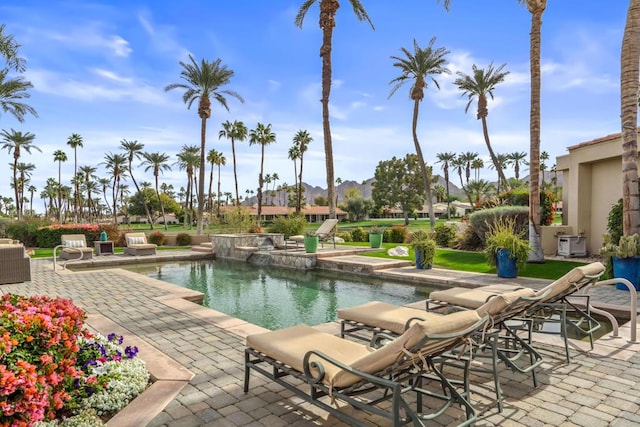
column 386, row 316
column 575, row 278
column 498, row 303
column 471, row 298
column 6, row 241
column 290, row 345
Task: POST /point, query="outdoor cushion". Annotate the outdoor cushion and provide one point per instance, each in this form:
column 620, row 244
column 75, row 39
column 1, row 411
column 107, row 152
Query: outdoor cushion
column 383, row 315
column 74, row 243
column 136, row 240
column 573, row 277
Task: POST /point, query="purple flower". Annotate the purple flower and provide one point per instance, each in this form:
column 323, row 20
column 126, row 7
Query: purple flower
column 131, row 352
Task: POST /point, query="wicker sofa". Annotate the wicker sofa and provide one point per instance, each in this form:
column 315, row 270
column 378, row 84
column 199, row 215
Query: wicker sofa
column 15, row 264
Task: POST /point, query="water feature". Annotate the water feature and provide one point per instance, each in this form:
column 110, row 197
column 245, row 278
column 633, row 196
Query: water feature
column 278, row 297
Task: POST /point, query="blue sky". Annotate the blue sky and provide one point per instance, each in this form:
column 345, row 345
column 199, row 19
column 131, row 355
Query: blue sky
column 99, row 69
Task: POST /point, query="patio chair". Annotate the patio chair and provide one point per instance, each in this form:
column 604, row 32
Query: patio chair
column 375, row 378
column 15, row 264
column 74, row 247
column 515, row 352
column 137, row 245
column 325, row 232
column 553, row 302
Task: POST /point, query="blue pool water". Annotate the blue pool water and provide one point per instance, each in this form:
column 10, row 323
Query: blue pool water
column 278, row 297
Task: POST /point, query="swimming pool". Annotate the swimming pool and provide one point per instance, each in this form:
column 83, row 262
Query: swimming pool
column 274, row 297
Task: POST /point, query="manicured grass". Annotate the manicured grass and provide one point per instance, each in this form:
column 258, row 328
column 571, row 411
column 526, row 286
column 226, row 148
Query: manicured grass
column 476, row 262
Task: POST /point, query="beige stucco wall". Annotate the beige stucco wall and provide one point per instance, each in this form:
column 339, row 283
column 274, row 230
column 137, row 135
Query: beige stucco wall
column 592, row 183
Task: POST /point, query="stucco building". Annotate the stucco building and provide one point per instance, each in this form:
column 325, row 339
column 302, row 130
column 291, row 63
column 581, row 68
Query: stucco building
column 592, row 184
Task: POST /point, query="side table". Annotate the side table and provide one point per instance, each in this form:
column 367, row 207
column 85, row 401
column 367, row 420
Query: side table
column 103, row 248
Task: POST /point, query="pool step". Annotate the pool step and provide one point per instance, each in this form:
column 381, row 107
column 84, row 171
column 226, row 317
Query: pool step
column 360, row 264
column 203, row 247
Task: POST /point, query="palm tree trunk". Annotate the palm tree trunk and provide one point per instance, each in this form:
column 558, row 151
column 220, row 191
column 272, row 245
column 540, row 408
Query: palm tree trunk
column 446, row 182
column 485, row 131
column 295, row 178
column 536, row 254
column 16, row 191
column 235, row 173
column 629, row 115
column 164, row 219
column 328, row 9
column 260, row 184
column 209, row 194
column 423, row 166
column 219, row 194
column 59, row 192
column 144, row 201
column 299, row 202
column 203, row 135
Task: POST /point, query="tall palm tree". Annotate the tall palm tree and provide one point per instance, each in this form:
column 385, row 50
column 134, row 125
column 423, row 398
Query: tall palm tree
column 9, row 50
column 446, row 159
column 24, row 175
column 516, row 158
column 416, row 67
column 234, row 131
column 476, row 165
column 478, row 190
column 544, row 156
column 302, row 139
column 89, row 174
column 59, row 156
column 17, row 141
column 215, row 158
column 157, row 162
column 31, row 189
column 261, row 135
column 536, row 8
column 481, row 85
column 75, row 141
column 12, row 92
column 468, row 158
column 503, row 161
column 116, row 165
column 104, row 184
column 204, row 81
column 294, row 154
column 133, row 150
column 328, row 10
column 459, row 166
column 188, row 160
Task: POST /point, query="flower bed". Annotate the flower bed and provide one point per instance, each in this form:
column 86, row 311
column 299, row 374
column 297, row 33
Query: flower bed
column 53, row 371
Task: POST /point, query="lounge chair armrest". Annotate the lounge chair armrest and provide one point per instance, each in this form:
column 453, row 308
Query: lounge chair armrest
column 309, row 366
column 381, row 338
column 411, row 320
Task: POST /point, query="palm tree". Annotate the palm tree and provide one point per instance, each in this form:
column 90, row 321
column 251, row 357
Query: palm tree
column 115, row 164
column 133, row 149
column 478, row 190
column 476, row 165
column 417, row 67
column 157, row 162
column 440, row 193
column 459, row 166
column 59, row 156
column 188, row 160
column 468, row 158
column 17, row 141
column 328, row 10
column 104, row 184
column 536, row 8
column 544, row 156
column 480, row 85
column 31, row 189
column 75, row 141
column 24, row 175
column 203, row 81
column 302, row 139
column 9, row 50
column 446, row 159
column 234, row 131
column 294, row 154
column 12, row 92
column 503, row 161
column 88, row 173
column 516, row 158
column 216, row 158
column 261, row 135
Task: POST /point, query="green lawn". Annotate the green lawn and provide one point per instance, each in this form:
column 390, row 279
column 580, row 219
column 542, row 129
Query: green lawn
column 476, row 262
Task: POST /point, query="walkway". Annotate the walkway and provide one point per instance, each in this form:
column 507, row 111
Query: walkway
column 599, row 388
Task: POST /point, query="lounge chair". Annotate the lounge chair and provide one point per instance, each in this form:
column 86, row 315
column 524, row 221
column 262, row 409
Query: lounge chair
column 551, row 307
column 15, row 264
column 74, row 247
column 493, row 343
column 137, row 245
column 326, row 231
column 376, row 379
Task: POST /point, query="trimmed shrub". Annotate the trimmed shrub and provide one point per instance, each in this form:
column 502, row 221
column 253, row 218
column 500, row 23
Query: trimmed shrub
column 346, row 236
column 290, row 225
column 183, row 239
column 157, row 237
column 255, row 229
column 360, row 235
column 51, row 235
column 482, row 221
column 614, row 221
column 26, row 231
column 418, row 235
column 444, row 235
column 396, row 234
column 547, row 211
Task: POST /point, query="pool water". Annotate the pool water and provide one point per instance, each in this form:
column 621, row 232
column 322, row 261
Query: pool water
column 275, row 298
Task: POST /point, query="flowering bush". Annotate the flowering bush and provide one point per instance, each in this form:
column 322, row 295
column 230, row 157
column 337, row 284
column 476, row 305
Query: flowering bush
column 50, row 236
column 51, row 367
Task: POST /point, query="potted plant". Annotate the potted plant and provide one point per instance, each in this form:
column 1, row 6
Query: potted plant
column 311, row 242
column 424, row 250
column 375, row 236
column 506, row 247
column 623, row 258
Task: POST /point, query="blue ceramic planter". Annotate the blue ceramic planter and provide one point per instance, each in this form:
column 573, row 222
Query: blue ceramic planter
column 627, row 268
column 505, row 265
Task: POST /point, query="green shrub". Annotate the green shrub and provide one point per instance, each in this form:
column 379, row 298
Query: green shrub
column 504, row 234
column 614, row 221
column 547, row 211
column 157, row 238
column 346, row 236
column 183, row 239
column 481, row 221
column 26, row 231
column 360, row 235
column 396, row 234
column 444, row 235
column 516, row 197
column 418, row 235
column 51, row 235
column 290, row 225
column 238, row 220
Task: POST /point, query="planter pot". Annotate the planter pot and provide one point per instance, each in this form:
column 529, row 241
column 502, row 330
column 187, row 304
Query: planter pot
column 375, row 240
column 627, row 268
column 311, row 244
column 420, row 264
column 505, row 265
